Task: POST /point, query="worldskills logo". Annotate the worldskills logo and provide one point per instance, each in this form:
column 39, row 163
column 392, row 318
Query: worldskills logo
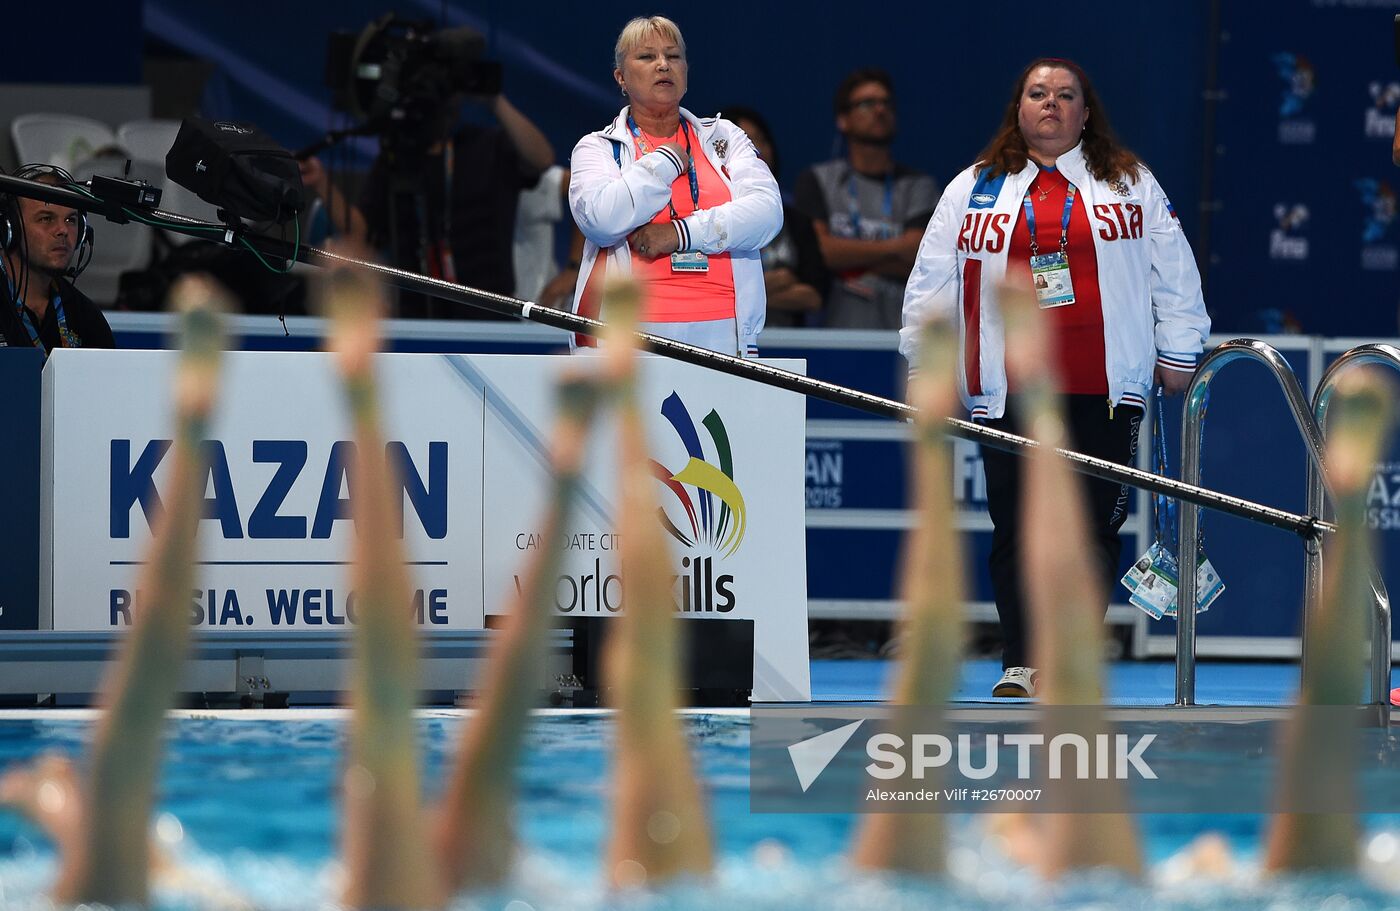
column 713, row 508
column 704, row 492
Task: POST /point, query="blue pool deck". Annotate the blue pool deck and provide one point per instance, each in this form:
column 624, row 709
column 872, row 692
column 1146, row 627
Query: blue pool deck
column 1130, row 683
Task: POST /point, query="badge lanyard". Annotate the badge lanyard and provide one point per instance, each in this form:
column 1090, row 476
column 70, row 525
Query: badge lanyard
column 1050, row 271
column 887, row 210
column 66, row 339
column 1164, row 507
column 1154, row 579
column 690, row 169
column 1064, row 219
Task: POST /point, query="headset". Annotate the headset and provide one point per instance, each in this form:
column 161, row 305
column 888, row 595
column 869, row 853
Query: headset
column 12, row 227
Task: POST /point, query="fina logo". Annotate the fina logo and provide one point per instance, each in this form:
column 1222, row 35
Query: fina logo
column 1380, row 116
column 983, row 200
column 1299, row 79
column 1285, row 241
column 1378, row 199
column 722, row 524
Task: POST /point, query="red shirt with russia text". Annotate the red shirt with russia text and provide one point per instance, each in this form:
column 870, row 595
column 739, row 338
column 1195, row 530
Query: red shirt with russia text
column 1078, row 327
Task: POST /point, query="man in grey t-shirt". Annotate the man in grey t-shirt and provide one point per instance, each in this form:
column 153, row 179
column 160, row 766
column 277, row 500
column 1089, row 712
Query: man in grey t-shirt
column 869, row 212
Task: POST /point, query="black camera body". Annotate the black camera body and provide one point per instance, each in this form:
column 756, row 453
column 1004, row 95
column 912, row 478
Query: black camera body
column 401, row 76
column 238, row 168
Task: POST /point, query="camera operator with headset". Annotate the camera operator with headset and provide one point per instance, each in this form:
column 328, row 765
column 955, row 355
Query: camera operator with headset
column 441, row 197
column 41, row 241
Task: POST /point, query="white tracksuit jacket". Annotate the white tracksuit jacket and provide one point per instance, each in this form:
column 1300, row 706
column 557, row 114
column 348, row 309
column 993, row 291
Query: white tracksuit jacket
column 1148, row 282
column 612, row 193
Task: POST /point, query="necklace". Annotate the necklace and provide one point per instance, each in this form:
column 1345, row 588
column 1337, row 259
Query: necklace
column 1042, row 188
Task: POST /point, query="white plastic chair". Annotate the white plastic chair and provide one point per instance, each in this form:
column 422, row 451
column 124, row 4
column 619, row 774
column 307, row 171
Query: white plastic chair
column 58, row 139
column 149, row 140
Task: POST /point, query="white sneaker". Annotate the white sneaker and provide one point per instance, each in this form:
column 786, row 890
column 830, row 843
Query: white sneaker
column 1016, row 682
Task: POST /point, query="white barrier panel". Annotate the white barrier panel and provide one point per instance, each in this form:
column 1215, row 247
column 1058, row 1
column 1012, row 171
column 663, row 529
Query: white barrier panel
column 469, row 432
column 729, row 459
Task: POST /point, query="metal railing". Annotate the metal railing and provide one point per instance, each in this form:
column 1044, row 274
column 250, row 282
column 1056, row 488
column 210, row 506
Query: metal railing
column 1193, row 414
column 1380, row 625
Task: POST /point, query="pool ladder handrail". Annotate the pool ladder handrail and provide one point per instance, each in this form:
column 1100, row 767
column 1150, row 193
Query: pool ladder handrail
column 1383, row 355
column 1193, row 415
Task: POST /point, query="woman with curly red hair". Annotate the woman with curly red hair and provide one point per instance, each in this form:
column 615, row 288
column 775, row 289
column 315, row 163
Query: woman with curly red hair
column 1055, row 202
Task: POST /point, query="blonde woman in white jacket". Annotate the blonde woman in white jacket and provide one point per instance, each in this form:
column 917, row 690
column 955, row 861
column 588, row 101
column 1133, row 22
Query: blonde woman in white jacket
column 682, row 204
column 1055, row 202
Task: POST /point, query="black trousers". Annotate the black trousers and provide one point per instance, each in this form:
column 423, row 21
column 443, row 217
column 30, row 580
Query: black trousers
column 1092, row 432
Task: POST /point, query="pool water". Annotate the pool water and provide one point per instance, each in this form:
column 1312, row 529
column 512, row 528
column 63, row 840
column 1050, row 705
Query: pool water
column 250, row 800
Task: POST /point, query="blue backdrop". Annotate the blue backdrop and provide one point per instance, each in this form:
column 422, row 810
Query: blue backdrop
column 1305, row 235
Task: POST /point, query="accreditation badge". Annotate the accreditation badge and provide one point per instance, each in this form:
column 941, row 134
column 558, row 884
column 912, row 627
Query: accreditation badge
column 1050, row 276
column 1154, row 578
column 695, row 261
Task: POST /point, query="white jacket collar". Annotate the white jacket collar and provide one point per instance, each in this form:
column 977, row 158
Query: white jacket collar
column 1071, row 162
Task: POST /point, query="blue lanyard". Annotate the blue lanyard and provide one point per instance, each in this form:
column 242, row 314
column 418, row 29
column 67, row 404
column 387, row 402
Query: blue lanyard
column 1064, row 219
column 1164, row 507
column 887, row 210
column 690, row 169
column 66, row 339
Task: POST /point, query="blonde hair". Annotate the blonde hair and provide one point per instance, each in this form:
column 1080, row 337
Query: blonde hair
column 636, row 31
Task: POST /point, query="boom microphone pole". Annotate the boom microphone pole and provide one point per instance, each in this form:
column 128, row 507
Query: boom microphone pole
column 237, row 236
